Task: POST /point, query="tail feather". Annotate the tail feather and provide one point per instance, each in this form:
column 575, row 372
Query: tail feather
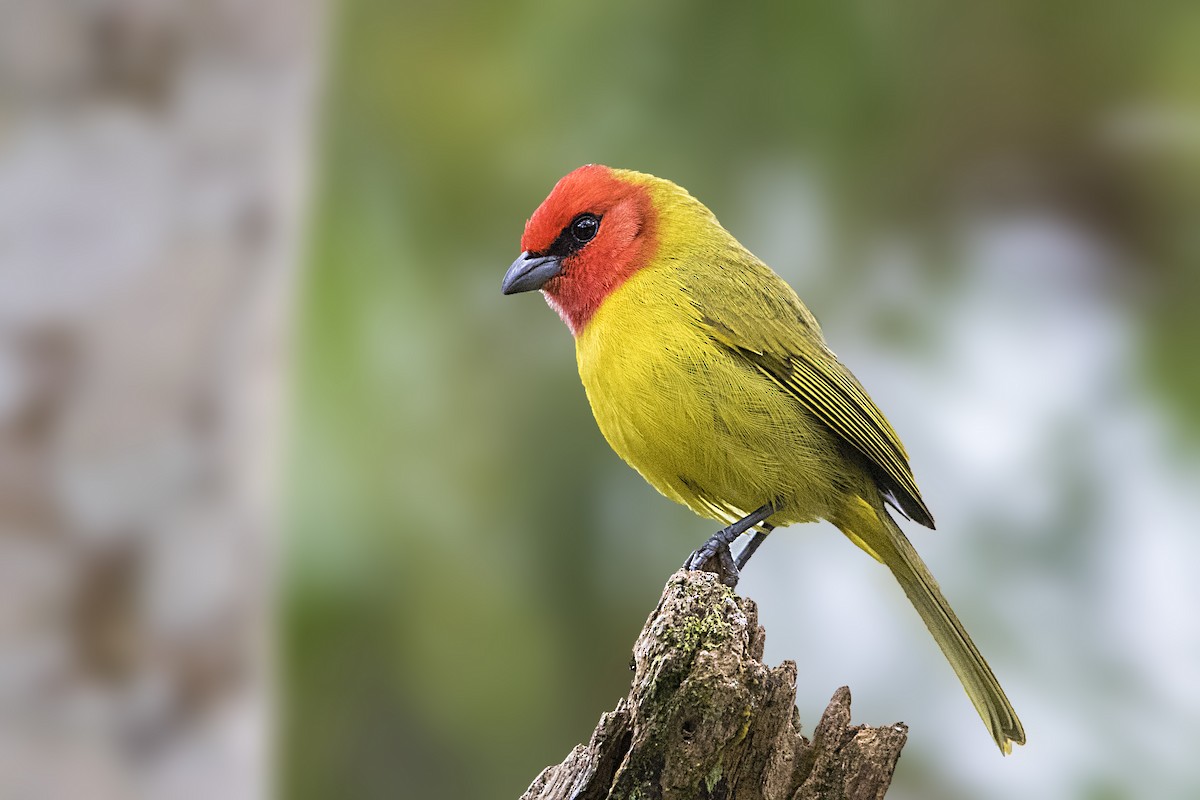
column 885, row 540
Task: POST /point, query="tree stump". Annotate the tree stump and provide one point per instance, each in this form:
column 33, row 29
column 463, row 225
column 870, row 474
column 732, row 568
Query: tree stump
column 705, row 718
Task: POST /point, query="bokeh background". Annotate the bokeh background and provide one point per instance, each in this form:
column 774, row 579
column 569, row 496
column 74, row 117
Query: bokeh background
column 993, row 209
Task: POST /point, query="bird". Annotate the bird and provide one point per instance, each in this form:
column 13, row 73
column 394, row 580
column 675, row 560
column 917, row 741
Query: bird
column 708, row 375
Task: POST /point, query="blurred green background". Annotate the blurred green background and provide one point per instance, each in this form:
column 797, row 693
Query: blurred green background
column 993, row 209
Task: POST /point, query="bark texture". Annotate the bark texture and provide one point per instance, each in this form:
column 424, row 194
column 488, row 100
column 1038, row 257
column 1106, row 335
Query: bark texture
column 705, row 718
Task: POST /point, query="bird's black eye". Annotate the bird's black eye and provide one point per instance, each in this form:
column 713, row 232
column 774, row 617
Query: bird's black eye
column 584, row 227
column 574, row 235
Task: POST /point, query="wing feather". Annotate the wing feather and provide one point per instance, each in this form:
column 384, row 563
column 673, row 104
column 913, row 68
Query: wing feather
column 753, row 313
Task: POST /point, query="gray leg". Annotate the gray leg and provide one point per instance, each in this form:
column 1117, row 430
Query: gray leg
column 752, row 545
column 718, row 545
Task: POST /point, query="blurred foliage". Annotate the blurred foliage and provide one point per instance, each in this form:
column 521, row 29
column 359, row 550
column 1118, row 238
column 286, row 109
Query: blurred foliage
column 468, row 563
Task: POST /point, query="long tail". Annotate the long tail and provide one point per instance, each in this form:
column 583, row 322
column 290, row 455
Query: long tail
column 887, row 542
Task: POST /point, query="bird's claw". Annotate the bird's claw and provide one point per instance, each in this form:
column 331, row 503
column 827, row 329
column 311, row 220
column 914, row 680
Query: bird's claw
column 715, row 557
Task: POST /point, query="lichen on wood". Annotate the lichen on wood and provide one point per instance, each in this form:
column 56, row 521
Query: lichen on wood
column 705, row 718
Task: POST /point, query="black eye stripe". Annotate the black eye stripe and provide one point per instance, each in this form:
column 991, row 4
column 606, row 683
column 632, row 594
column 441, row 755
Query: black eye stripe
column 578, row 232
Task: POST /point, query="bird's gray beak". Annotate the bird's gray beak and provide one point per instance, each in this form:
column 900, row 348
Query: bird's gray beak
column 530, row 272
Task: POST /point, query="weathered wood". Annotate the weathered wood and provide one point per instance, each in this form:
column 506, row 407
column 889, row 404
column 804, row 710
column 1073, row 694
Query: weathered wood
column 705, row 718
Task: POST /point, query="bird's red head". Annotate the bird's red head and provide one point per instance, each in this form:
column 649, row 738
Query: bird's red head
column 597, row 227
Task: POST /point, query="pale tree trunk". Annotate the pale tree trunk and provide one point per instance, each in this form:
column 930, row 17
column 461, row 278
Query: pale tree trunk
column 153, row 159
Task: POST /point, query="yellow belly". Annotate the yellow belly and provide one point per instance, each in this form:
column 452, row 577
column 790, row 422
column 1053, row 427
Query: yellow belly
column 700, row 425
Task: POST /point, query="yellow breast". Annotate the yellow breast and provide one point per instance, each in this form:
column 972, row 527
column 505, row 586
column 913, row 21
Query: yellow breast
column 702, row 427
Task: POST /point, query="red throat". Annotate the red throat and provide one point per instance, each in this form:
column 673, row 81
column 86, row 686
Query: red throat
column 625, row 242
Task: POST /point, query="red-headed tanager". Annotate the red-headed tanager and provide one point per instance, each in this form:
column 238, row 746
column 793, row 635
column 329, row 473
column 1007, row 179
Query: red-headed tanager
column 708, row 375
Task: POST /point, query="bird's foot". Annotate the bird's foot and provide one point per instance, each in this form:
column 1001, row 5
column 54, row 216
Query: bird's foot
column 715, row 557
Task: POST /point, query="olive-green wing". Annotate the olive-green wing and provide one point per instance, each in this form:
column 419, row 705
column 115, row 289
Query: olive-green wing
column 753, row 313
